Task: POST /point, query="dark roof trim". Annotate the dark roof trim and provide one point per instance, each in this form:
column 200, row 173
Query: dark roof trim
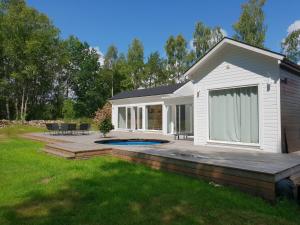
column 161, row 90
column 277, row 53
column 289, row 66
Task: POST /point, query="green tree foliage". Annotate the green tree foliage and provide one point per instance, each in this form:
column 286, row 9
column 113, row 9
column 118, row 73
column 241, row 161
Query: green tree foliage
column 90, row 90
column 251, row 28
column 45, row 77
column 30, row 46
column 106, row 126
column 205, row 38
column 68, row 109
column 177, row 57
column 135, row 60
column 291, row 46
column 155, row 73
column 109, row 70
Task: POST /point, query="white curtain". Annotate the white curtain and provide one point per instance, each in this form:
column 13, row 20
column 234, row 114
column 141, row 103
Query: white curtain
column 234, row 115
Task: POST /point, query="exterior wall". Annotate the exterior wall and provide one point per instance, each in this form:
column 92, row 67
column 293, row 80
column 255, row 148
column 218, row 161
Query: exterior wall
column 290, row 110
column 235, row 67
column 139, row 102
column 164, row 100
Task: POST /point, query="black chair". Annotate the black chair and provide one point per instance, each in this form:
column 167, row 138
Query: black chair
column 72, row 128
column 84, row 127
column 53, row 128
column 64, row 128
column 49, row 127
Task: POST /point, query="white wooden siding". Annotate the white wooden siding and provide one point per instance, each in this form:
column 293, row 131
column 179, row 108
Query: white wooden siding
column 234, row 67
column 290, row 109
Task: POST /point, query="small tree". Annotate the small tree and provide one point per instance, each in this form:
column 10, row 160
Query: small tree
column 106, row 126
column 68, row 109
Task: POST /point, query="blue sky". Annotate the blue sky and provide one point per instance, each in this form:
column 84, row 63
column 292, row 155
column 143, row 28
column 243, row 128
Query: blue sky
column 104, row 22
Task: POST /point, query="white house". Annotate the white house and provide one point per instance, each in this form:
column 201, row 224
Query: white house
column 237, row 95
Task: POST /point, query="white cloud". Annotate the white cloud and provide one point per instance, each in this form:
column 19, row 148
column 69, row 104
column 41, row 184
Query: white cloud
column 101, row 55
column 294, row 26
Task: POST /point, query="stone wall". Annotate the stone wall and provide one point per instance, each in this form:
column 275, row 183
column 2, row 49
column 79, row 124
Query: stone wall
column 35, row 123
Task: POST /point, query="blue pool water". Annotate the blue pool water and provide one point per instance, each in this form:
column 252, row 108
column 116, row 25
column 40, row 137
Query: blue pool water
column 132, row 142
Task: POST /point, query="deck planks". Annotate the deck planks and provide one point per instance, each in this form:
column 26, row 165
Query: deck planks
column 249, row 171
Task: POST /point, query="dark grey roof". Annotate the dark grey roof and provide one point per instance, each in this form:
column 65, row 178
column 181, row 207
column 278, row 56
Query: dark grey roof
column 161, row 90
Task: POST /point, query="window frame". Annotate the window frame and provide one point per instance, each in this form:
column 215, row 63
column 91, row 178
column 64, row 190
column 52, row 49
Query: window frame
column 260, row 116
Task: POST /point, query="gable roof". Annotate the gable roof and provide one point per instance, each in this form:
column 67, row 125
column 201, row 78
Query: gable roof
column 161, row 90
column 225, row 41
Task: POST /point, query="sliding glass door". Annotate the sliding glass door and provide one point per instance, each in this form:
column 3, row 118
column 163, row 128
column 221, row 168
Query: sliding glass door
column 128, row 118
column 140, row 118
column 184, row 118
column 154, row 117
column 233, row 115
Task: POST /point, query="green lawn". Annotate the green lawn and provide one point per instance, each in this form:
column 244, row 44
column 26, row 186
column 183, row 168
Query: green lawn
column 36, row 188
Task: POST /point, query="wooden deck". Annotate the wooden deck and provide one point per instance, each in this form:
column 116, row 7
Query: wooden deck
column 250, row 171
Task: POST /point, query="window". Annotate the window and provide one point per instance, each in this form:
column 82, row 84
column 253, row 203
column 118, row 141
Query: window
column 169, row 119
column 154, row 117
column 121, row 117
column 140, row 118
column 184, row 118
column 128, row 118
column 233, row 115
column 135, row 117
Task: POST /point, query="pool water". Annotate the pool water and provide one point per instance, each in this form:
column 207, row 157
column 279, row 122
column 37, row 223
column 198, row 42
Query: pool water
column 132, row 142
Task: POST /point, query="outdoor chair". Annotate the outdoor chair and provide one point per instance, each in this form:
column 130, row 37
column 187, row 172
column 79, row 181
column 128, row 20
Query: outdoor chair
column 52, row 128
column 55, row 128
column 72, row 128
column 49, row 127
column 183, row 134
column 64, row 127
column 84, row 127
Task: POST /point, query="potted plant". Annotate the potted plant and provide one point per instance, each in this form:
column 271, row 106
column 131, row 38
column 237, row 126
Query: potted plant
column 106, row 126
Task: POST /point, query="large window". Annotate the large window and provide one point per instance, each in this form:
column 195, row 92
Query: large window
column 169, row 119
column 184, row 118
column 154, row 117
column 233, row 115
column 140, row 118
column 128, row 118
column 122, row 117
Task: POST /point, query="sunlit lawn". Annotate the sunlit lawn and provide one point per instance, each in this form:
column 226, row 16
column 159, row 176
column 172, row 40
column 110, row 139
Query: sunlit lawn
column 36, row 188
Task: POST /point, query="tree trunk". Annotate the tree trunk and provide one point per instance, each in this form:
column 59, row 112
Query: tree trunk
column 25, row 108
column 17, row 110
column 7, row 109
column 22, row 105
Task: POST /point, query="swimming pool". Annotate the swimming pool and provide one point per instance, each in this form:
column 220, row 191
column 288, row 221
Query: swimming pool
column 132, row 142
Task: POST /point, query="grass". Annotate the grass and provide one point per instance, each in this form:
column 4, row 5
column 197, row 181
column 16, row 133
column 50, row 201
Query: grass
column 40, row 189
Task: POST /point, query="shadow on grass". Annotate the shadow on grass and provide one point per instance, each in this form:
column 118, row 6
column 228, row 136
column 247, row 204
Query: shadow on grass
column 118, row 192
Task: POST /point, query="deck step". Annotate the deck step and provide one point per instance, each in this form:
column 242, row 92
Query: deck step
column 59, row 152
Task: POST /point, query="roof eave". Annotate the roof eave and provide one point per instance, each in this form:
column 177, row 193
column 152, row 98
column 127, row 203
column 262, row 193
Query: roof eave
column 192, row 70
